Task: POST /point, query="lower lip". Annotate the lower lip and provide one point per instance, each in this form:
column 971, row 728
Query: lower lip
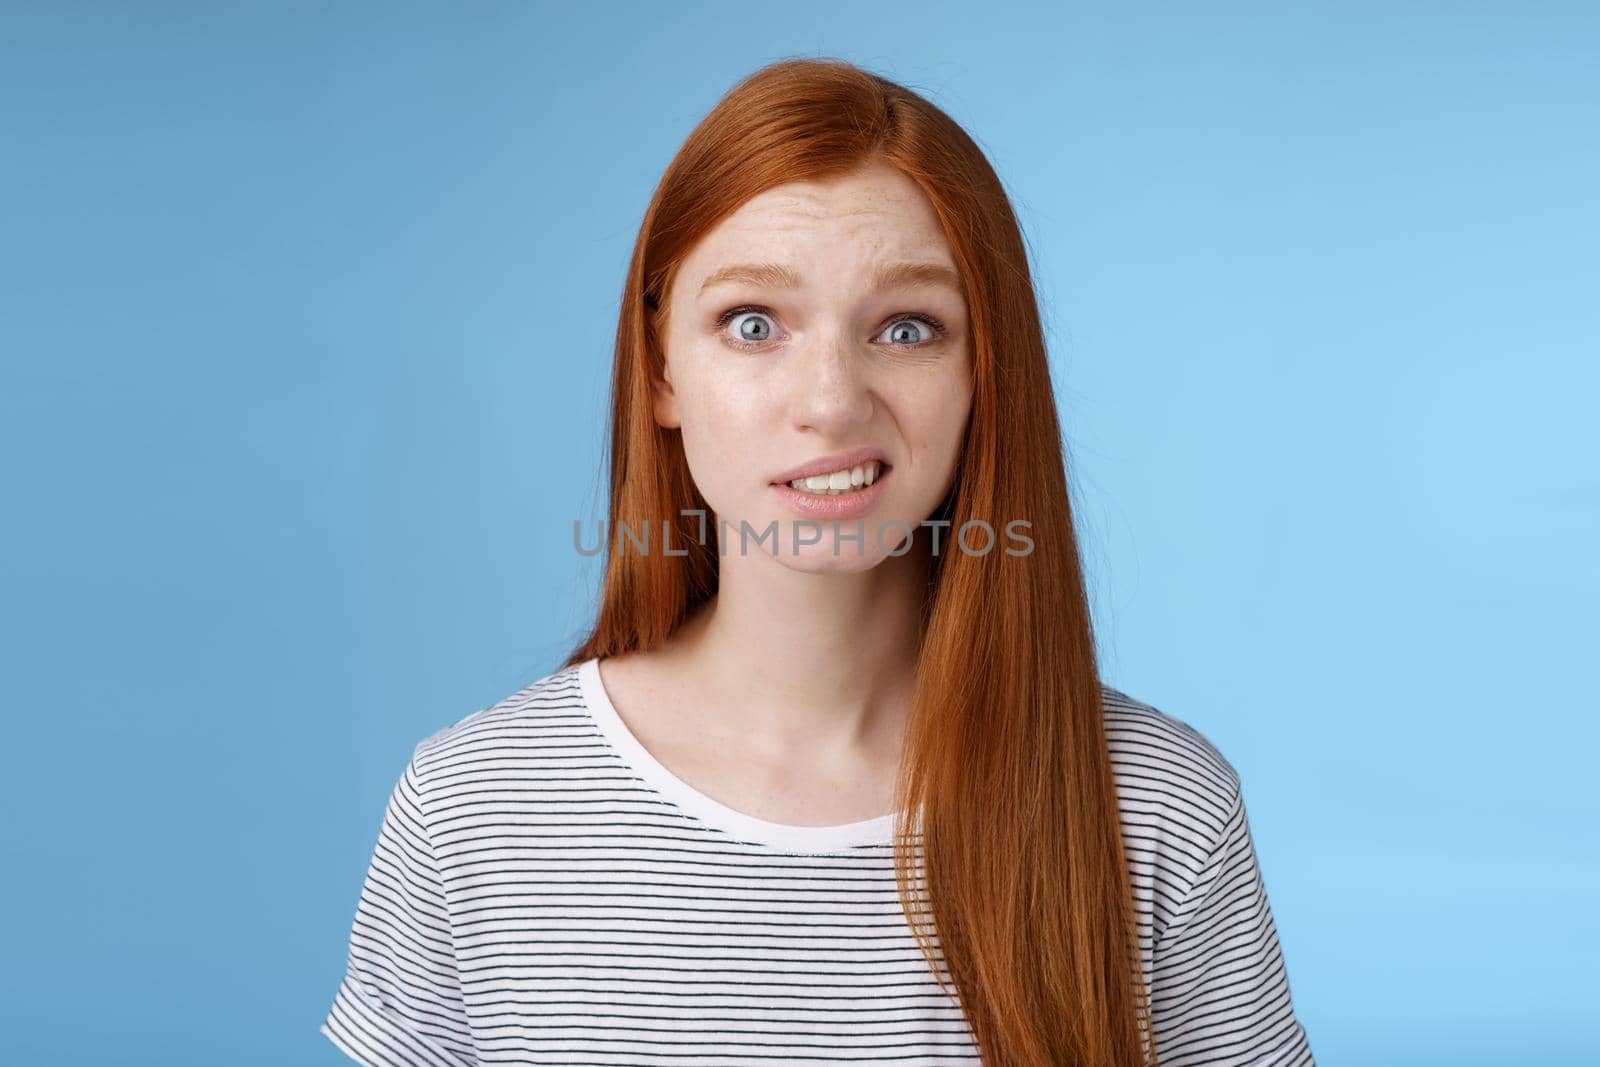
column 851, row 505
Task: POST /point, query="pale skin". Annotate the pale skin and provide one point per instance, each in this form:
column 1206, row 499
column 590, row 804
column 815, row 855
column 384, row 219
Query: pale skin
column 786, row 696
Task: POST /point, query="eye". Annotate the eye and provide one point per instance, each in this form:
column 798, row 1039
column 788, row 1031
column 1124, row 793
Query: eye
column 754, row 329
column 904, row 338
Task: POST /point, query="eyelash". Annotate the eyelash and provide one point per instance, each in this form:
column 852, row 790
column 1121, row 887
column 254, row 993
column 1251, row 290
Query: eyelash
column 938, row 328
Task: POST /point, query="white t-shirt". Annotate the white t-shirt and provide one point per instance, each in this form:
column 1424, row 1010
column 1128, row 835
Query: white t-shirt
column 544, row 891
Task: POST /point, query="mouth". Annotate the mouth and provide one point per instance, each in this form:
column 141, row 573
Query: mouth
column 842, row 482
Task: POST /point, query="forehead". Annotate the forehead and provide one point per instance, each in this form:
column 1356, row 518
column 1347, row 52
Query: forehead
column 858, row 219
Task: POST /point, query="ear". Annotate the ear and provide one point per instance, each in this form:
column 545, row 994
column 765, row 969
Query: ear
column 664, row 400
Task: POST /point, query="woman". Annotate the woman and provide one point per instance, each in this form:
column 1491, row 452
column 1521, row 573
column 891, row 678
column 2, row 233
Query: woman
column 694, row 842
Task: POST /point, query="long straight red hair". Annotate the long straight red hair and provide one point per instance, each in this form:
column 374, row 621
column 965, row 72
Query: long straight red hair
column 1023, row 873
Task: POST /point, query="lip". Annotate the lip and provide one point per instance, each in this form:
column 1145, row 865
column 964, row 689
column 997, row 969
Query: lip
column 837, row 461
column 853, row 505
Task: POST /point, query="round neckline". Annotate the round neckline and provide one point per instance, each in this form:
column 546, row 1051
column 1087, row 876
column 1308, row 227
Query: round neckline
column 878, row 830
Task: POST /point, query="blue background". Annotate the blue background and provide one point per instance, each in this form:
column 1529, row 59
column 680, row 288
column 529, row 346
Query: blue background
column 307, row 323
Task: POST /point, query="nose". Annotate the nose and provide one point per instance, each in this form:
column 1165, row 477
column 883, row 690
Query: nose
column 829, row 388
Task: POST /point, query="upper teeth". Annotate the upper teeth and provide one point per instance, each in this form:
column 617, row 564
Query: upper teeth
column 839, row 481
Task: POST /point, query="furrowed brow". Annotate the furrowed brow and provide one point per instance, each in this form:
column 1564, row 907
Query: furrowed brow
column 910, row 275
column 889, row 276
column 764, row 275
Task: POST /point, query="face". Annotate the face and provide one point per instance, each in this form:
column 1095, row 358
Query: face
column 820, row 322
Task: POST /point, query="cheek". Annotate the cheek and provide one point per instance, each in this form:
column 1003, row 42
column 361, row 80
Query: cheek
column 939, row 414
column 955, row 405
column 722, row 420
column 716, row 408
column 934, row 421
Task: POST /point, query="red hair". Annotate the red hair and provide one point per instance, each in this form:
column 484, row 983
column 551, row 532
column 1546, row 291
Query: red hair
column 1005, row 758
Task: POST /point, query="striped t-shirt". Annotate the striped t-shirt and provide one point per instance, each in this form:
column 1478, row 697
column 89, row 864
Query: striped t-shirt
column 544, row 891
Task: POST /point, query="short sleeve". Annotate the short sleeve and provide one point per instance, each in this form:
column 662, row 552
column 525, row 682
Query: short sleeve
column 400, row 1000
column 1219, row 991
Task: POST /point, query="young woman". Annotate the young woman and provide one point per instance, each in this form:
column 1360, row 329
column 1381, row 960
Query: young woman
column 833, row 778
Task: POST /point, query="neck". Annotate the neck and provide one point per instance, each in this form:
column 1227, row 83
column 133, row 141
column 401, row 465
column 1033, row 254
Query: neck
column 819, row 664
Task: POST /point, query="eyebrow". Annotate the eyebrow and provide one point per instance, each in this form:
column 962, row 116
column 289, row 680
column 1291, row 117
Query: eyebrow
column 887, row 276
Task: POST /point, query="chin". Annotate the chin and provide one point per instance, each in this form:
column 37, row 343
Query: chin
column 819, row 559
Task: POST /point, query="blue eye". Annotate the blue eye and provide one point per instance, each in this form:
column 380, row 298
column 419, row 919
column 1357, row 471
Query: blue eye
column 756, row 327
column 752, row 330
column 934, row 329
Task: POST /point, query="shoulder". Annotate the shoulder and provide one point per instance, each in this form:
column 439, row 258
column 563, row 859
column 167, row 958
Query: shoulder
column 550, row 705
column 1170, row 776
